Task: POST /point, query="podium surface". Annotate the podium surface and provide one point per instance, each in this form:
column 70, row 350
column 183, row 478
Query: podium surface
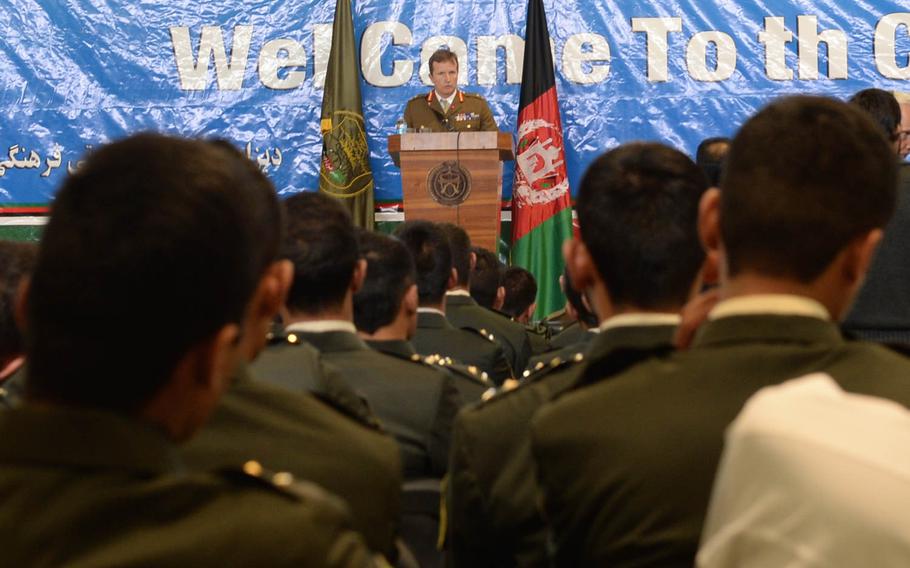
column 454, row 177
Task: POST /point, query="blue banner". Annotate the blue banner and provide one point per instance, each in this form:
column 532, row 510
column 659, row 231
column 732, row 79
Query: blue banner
column 78, row 73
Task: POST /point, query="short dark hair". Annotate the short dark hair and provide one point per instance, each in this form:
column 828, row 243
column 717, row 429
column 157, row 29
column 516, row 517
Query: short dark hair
column 710, row 158
column 638, row 211
column 321, row 243
column 460, row 243
column 521, row 290
column 432, row 258
column 805, row 176
column 390, row 272
column 486, row 277
column 17, row 260
column 575, row 298
column 441, row 55
column 882, row 107
column 150, row 227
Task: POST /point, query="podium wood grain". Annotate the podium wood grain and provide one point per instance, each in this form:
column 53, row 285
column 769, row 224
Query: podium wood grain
column 480, row 153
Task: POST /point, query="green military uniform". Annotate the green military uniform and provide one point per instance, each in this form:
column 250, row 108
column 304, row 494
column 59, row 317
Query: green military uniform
column 565, row 352
column 288, row 362
column 470, row 381
column 570, row 335
column 492, row 500
column 298, row 433
column 414, row 402
column 463, row 311
column 626, row 466
column 467, row 113
column 93, row 488
column 538, row 337
column 435, row 335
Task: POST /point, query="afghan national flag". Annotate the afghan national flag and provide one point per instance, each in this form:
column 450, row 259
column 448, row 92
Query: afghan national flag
column 541, row 203
column 345, row 169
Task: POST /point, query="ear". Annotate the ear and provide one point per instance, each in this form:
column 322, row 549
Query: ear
column 268, row 299
column 529, row 313
column 709, row 234
column 859, row 255
column 453, row 279
column 215, row 360
column 500, row 299
column 473, row 261
column 359, row 275
column 580, row 265
column 411, row 300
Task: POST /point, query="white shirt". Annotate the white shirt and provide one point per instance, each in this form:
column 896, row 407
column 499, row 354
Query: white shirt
column 812, row 476
column 458, row 292
column 322, row 326
column 430, row 311
column 778, row 304
column 638, row 320
column 448, row 100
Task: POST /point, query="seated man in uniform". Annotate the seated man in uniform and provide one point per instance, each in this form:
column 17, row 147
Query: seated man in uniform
column 447, row 108
column 639, row 281
column 520, row 294
column 157, row 276
column 626, row 465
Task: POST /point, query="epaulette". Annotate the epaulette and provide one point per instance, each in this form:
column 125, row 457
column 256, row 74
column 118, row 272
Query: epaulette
column 481, row 332
column 255, row 475
column 542, row 369
column 468, row 371
column 283, row 337
column 473, row 95
column 420, row 96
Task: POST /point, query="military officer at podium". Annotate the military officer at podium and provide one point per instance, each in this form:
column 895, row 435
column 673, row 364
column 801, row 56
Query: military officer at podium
column 447, row 108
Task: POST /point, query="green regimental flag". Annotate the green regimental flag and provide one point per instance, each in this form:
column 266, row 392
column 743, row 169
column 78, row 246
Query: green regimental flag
column 345, row 169
column 541, row 203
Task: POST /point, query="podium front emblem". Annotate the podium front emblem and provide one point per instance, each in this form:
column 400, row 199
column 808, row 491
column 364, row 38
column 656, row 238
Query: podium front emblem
column 449, row 184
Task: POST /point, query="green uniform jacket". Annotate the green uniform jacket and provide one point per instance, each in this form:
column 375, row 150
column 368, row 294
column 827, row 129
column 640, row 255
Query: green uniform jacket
column 468, row 112
column 468, row 380
column 492, row 500
column 566, row 352
column 626, row 466
column 290, row 363
column 570, row 335
column 415, row 402
column 464, row 312
column 436, row 336
column 297, row 432
column 91, row 488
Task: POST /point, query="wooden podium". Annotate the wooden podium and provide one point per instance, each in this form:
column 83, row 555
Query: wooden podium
column 454, row 177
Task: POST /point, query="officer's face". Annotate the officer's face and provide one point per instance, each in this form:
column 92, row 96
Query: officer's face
column 445, row 77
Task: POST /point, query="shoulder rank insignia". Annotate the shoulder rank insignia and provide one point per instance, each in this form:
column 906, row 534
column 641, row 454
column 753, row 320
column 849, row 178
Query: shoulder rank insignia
column 542, row 369
column 283, row 482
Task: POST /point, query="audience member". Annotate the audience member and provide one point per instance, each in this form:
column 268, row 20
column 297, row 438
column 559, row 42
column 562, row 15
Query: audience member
column 576, row 337
column 494, row 520
column 626, row 465
column 113, row 383
column 520, row 294
column 811, row 476
column 17, row 260
column 486, row 279
column 463, row 312
column 711, row 156
column 432, row 255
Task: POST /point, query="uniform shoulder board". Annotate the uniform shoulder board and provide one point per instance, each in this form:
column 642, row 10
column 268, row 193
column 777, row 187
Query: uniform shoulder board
column 481, row 332
column 418, row 97
column 555, row 364
column 468, row 371
column 473, row 95
column 283, row 338
column 253, row 474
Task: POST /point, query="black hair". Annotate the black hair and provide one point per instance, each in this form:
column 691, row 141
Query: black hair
column 321, row 243
column 638, row 210
column 805, row 176
column 486, row 277
column 460, row 243
column 390, row 272
column 882, row 107
column 574, row 297
column 432, row 256
column 151, row 247
column 16, row 262
column 521, row 290
column 710, row 158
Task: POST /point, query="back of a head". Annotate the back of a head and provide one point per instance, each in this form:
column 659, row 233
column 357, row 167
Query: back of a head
column 151, row 247
column 321, row 244
column 638, row 210
column 805, row 176
column 486, row 277
column 710, row 157
column 575, row 298
column 390, row 272
column 521, row 290
column 460, row 243
column 432, row 256
column 17, row 260
column 882, row 107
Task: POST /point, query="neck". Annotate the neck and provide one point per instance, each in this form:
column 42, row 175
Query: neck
column 342, row 312
column 441, row 305
column 751, row 284
column 395, row 331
